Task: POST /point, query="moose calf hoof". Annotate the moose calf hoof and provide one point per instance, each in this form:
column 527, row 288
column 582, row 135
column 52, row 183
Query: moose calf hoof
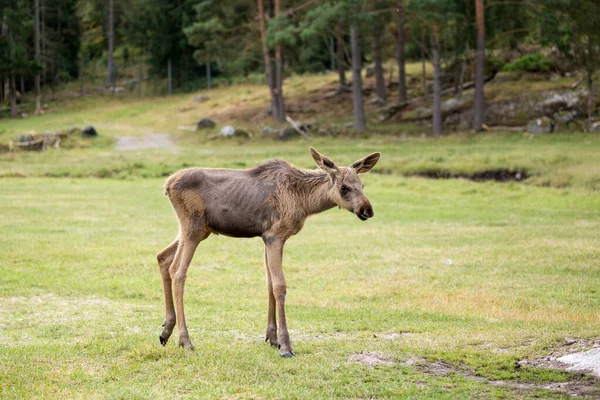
column 163, row 340
column 289, row 354
column 186, row 344
column 272, row 341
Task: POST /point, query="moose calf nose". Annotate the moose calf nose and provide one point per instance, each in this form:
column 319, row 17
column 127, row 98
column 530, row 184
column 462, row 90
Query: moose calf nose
column 366, row 212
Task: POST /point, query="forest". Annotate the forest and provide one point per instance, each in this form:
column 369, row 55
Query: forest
column 186, row 45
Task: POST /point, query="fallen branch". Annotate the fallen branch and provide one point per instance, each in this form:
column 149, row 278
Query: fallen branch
column 295, row 126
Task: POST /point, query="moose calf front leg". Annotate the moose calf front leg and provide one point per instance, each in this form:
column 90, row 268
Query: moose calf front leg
column 274, row 258
column 271, row 335
column 178, row 272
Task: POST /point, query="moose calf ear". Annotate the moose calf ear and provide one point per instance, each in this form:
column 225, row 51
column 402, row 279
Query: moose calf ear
column 364, row 165
column 323, row 162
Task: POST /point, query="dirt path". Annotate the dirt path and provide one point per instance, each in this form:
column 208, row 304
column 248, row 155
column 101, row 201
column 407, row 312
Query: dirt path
column 146, row 141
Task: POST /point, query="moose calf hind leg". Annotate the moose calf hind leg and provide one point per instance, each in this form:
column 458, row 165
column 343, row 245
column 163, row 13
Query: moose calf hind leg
column 165, row 259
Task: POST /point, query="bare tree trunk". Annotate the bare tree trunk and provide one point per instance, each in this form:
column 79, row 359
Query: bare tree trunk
column 340, row 54
column 13, row 98
column 81, row 74
column 423, row 62
column 38, row 51
column 478, row 113
column 208, row 77
column 267, row 60
column 110, row 79
column 43, row 38
column 169, row 75
column 590, row 81
column 379, row 78
column 139, row 81
column 358, row 108
column 437, row 86
column 400, row 41
column 279, row 76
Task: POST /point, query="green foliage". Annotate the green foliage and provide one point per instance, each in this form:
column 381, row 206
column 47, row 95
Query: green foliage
column 534, row 62
column 220, row 33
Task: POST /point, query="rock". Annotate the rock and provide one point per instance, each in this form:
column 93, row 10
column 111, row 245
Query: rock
column 540, row 125
column 24, row 138
column 288, row 133
column 227, row 131
column 89, row 131
column 585, row 361
column 269, row 132
column 564, row 116
column 559, row 101
column 201, row 98
column 595, row 127
column 206, row 123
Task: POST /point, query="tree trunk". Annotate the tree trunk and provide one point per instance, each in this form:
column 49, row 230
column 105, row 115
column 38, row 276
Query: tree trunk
column 43, row 39
column 590, row 81
column 169, row 80
column 463, row 69
column 379, row 78
column 81, row 74
column 478, row 113
column 110, row 78
column 208, row 77
column 437, row 86
column 280, row 105
column 13, row 97
column 358, row 108
column 341, row 64
column 266, row 55
column 400, row 41
column 423, row 62
column 267, row 60
column 139, row 81
column 36, row 39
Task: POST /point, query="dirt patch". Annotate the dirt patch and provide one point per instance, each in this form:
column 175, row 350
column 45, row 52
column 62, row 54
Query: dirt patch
column 498, row 175
column 143, row 142
column 585, row 386
column 569, row 346
column 370, row 359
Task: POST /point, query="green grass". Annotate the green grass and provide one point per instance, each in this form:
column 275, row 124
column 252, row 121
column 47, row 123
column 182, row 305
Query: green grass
column 450, row 285
column 82, row 300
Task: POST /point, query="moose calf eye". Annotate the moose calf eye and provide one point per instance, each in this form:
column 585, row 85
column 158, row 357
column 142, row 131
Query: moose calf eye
column 344, row 189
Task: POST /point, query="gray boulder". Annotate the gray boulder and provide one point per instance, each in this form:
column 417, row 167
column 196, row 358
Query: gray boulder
column 206, row 123
column 269, row 132
column 540, row 125
column 24, row 138
column 229, row 131
column 559, row 101
column 89, row 131
column 595, row 127
column 201, row 98
column 288, row 133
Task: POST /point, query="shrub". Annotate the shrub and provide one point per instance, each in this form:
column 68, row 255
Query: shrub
column 534, row 62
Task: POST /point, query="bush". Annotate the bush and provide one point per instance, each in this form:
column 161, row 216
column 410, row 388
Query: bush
column 534, row 62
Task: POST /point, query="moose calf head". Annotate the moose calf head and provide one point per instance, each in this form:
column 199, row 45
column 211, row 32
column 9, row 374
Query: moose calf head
column 347, row 188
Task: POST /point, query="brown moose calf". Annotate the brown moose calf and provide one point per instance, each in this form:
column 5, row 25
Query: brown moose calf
column 272, row 201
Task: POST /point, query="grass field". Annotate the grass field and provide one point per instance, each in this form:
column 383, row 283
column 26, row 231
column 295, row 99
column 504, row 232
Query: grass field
column 439, row 296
